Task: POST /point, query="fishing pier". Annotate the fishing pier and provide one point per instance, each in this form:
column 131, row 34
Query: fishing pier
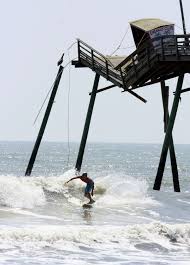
column 160, row 55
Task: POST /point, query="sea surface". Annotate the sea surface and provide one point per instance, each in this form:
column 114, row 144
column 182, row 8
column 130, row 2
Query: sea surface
column 42, row 221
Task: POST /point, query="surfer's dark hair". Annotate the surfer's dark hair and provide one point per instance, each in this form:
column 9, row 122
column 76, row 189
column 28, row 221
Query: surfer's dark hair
column 84, row 174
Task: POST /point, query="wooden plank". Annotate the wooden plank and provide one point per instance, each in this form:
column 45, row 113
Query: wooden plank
column 156, row 81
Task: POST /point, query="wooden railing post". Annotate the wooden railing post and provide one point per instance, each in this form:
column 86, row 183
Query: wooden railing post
column 107, row 70
column 148, row 56
column 78, row 45
column 162, row 48
column 92, row 56
column 134, row 66
column 176, row 48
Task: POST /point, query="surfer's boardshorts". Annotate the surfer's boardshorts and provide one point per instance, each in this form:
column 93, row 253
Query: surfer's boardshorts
column 89, row 187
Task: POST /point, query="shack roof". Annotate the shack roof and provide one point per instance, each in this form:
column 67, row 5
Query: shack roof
column 148, row 24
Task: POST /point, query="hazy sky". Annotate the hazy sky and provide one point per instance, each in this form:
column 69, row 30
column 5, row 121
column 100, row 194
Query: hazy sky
column 34, row 33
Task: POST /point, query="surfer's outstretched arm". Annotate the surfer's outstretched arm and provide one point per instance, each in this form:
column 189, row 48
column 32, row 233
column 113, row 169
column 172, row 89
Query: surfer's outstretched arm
column 72, row 179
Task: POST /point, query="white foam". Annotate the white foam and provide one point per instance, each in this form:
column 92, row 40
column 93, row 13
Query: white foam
column 28, row 192
column 17, row 192
column 166, row 235
column 144, row 244
column 123, row 190
column 112, row 190
column 180, row 200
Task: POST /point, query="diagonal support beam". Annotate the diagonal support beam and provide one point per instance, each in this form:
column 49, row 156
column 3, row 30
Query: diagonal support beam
column 185, row 90
column 87, row 124
column 130, row 91
column 167, row 139
column 44, row 122
column 103, row 89
column 165, row 98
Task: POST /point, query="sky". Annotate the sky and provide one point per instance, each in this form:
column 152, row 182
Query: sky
column 35, row 33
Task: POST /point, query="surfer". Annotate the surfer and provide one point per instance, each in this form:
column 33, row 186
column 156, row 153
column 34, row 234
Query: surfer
column 89, row 190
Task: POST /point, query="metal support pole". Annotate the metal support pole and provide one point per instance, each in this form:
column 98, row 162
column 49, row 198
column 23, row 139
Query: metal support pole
column 87, row 124
column 182, row 16
column 44, row 122
column 167, row 139
column 174, row 167
column 165, row 98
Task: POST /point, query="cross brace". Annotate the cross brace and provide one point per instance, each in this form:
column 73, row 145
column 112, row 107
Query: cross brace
column 167, row 139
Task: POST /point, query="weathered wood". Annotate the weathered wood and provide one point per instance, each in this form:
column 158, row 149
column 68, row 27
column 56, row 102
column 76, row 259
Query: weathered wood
column 176, row 49
column 168, row 134
column 107, row 71
column 134, row 67
column 162, row 49
column 131, row 92
column 148, row 56
column 92, row 56
column 146, row 65
column 78, row 46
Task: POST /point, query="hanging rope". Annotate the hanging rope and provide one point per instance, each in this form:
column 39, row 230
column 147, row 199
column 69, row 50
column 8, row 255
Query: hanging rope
column 118, row 47
column 127, row 47
column 179, row 27
column 68, row 97
column 68, row 111
column 142, row 39
column 68, row 101
column 45, row 100
column 65, row 66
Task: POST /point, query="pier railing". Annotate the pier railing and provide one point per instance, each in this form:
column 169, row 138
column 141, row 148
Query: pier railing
column 176, row 46
column 93, row 59
column 163, row 48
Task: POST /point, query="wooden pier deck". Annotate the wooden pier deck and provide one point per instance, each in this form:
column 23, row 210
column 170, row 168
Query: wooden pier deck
column 145, row 66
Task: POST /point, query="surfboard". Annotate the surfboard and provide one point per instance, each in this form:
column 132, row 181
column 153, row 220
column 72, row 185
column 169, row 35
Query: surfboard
column 87, row 205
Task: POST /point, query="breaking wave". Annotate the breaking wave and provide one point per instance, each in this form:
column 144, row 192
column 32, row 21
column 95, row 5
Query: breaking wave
column 110, row 190
column 17, row 192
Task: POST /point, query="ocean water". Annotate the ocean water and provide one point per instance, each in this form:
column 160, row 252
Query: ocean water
column 42, row 220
